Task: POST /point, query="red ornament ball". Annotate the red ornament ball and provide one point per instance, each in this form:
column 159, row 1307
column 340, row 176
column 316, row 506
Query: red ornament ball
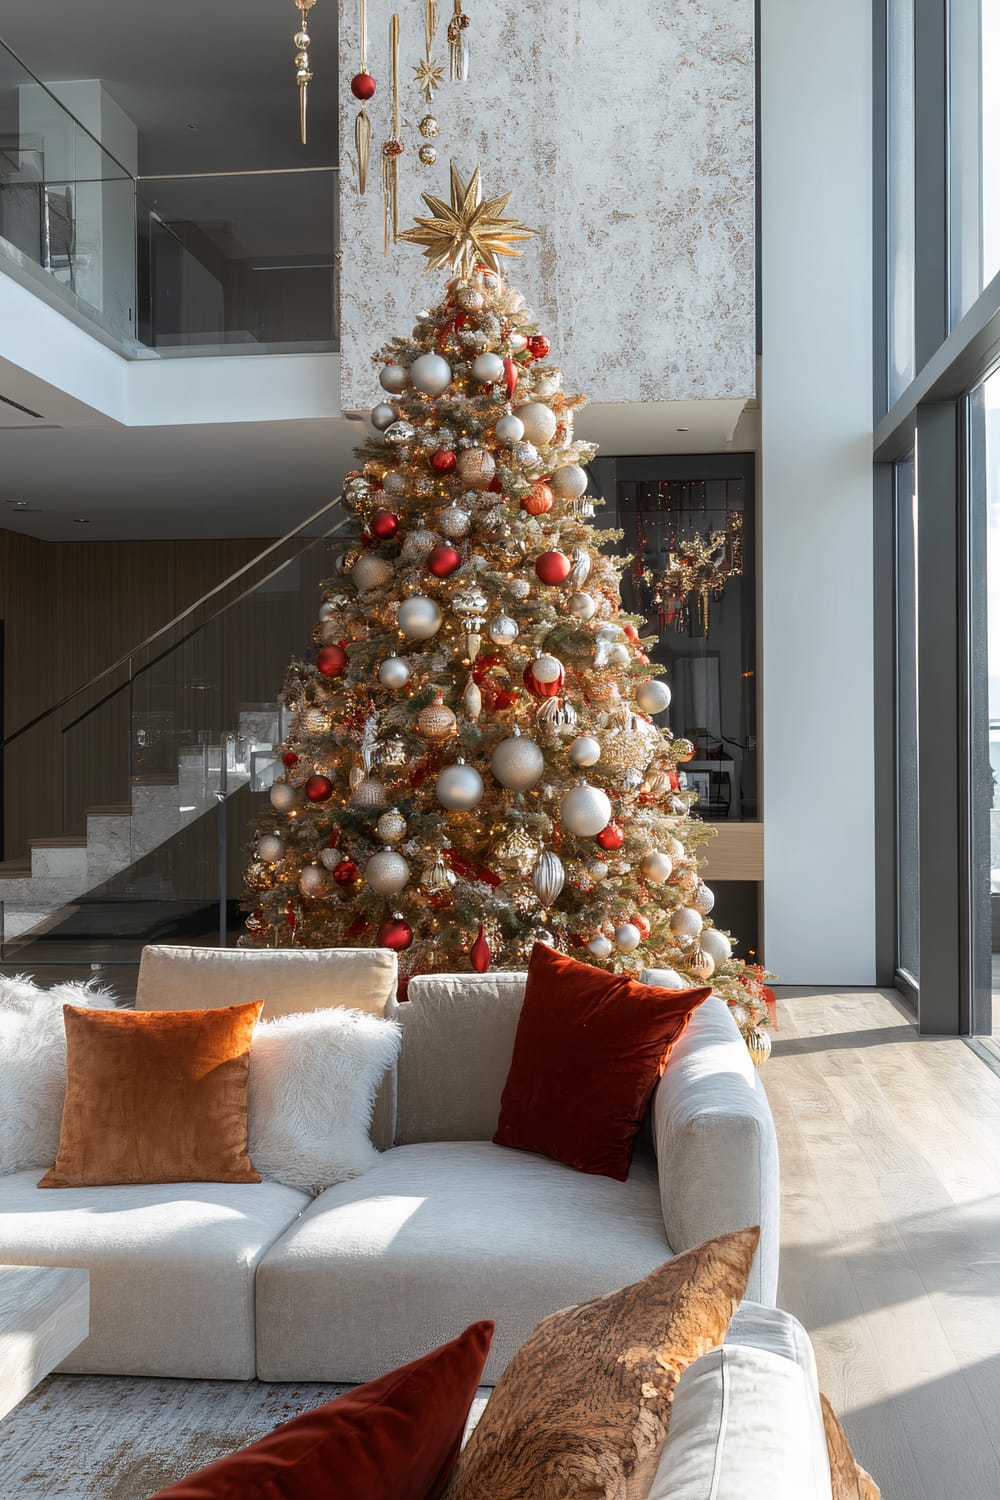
column 290, row 758
column 611, row 837
column 346, row 872
column 395, row 934
column 540, row 500
column 363, row 86
column 443, row 461
column 539, row 346
column 384, row 525
column 443, row 560
column 553, row 567
column 638, row 920
column 331, row 660
column 319, row 788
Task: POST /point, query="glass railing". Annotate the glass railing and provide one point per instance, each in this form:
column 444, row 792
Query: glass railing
column 214, row 263
column 148, row 761
column 67, row 207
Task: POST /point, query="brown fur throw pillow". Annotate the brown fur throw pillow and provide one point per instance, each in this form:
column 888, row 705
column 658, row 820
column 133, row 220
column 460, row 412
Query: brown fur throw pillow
column 849, row 1479
column 581, row 1412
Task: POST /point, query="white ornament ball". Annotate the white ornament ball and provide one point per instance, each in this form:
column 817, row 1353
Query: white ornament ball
column 383, row 416
column 518, row 342
column 627, row 937
column 597, row 869
column 703, row 899
column 419, row 617
column 569, row 482
column 394, row 672
column 502, row 631
column 431, row 374
column 454, row 522
column 545, row 386
column 284, row 797
column 487, row 368
column 583, row 606
column 674, row 848
column 715, row 944
column 517, row 763
column 585, row 810
column 653, row 697
column 509, row 429
column 618, row 655
column 387, row 872
column 526, row 454
column 270, row 848
column 685, row 922
column 459, row 787
column 312, row 881
column 539, row 422
column 600, row 946
column 585, row 750
column 394, row 378
column 546, row 669
column 657, row 866
column 370, row 572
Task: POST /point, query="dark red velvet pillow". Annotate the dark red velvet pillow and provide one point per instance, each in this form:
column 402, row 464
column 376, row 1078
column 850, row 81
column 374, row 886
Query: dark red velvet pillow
column 396, row 1438
column 589, row 1050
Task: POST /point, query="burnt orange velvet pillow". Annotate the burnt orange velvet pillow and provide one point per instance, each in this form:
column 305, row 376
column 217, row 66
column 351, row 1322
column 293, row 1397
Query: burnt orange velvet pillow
column 589, row 1050
column 396, row 1438
column 155, row 1096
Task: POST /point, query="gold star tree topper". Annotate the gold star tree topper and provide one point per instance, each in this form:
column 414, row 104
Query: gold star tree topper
column 467, row 232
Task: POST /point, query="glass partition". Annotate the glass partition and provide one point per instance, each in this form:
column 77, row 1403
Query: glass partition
column 67, row 207
column 901, row 206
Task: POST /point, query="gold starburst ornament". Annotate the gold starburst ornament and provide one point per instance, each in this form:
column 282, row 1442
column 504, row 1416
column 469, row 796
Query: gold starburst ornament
column 429, row 77
column 468, row 231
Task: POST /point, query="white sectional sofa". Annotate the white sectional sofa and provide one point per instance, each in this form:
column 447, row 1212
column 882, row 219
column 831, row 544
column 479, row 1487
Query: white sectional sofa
column 228, row 1281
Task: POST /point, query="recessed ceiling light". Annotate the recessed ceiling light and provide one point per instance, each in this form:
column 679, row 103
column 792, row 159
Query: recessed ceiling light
column 190, row 127
column 81, row 520
column 683, row 429
column 18, row 504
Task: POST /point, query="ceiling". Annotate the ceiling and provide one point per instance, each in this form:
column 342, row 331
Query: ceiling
column 226, row 68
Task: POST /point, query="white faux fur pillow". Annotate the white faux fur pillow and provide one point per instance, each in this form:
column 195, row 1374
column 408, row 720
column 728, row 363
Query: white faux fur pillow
column 313, row 1081
column 33, row 1068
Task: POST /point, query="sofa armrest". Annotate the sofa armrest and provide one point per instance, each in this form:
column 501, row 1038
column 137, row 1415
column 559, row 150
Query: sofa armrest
column 715, row 1143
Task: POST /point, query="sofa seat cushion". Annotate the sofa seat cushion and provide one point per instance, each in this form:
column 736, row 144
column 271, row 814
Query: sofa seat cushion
column 435, row 1237
column 171, row 1267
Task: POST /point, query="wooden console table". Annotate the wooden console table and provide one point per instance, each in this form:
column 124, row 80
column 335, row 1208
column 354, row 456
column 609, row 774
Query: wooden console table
column 44, row 1315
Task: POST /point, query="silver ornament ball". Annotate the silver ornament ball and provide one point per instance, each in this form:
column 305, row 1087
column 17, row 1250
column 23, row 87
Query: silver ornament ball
column 600, row 946
column 459, row 787
column 387, row 872
column 502, row 631
column 549, row 878
column 585, row 751
column 394, row 672
column 383, row 416
column 653, row 697
column 454, row 522
column 270, row 848
column 487, row 368
column 430, row 374
column 391, row 826
column 419, row 617
column 394, row 379
column 284, row 797
column 517, row 763
column 585, row 810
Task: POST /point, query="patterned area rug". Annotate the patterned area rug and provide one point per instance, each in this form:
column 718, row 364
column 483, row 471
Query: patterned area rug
column 103, row 1437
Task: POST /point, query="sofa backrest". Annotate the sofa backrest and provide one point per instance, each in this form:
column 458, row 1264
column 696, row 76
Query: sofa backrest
column 288, row 980
column 458, row 1040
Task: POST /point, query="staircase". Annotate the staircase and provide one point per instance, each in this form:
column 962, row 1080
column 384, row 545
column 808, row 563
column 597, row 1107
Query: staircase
column 40, row 891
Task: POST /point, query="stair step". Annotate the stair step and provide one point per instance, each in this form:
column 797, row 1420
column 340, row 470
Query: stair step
column 161, row 779
column 15, row 869
column 60, row 841
column 113, row 810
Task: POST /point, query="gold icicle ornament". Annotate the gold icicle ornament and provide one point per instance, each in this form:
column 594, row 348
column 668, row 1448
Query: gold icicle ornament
column 392, row 150
column 303, row 72
column 363, row 89
column 458, row 50
column 467, row 232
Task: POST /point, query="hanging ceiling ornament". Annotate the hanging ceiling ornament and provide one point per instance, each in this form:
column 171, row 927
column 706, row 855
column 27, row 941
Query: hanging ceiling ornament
column 363, row 88
column 458, row 51
column 467, row 231
column 697, row 570
column 428, row 74
column 392, row 150
column 303, row 72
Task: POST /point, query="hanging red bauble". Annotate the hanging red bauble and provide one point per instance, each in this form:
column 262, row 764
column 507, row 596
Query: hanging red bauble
column 553, row 567
column 539, row 346
column 395, row 934
column 290, row 758
column 544, row 677
column 540, row 500
column 319, row 788
column 638, row 920
column 443, row 460
column 363, row 86
column 480, row 952
column 443, row 560
column 611, row 837
column 384, row 525
column 510, row 373
column 346, row 873
column 331, row 660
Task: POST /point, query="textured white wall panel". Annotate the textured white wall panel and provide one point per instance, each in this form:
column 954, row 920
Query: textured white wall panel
column 626, row 135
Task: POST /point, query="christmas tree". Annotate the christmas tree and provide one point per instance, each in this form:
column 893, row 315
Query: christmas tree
column 472, row 763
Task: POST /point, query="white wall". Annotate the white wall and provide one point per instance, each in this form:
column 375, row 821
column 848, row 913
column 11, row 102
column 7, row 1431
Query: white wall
column 625, row 134
column 816, row 491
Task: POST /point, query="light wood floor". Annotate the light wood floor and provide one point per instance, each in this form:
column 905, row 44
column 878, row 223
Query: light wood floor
column 890, row 1157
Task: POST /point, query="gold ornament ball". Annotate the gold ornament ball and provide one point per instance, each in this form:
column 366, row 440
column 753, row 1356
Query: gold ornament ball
column 758, row 1045
column 429, row 128
column 700, row 965
column 391, row 826
column 428, row 155
column 476, row 468
column 436, row 723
